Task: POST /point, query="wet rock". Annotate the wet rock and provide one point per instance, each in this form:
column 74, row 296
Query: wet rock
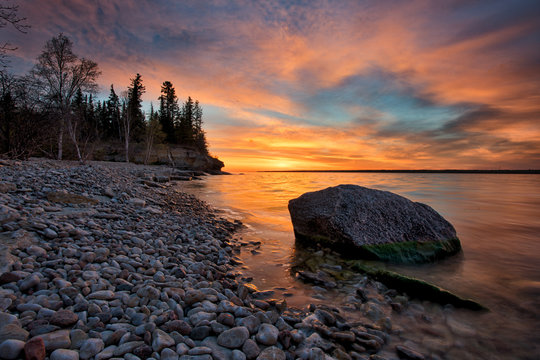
column 233, row 338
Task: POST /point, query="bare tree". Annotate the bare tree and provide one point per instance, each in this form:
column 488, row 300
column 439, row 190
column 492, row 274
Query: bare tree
column 60, row 74
column 8, row 15
column 126, row 123
column 153, row 134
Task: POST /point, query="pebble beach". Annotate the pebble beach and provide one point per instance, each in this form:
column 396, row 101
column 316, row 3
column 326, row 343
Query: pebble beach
column 106, row 260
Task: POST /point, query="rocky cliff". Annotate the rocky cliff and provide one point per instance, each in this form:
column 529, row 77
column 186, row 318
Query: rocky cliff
column 184, row 158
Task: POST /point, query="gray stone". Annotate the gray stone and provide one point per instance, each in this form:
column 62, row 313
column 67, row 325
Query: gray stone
column 200, row 350
column 50, row 233
column 373, row 223
column 201, row 316
column 251, row 322
column 64, row 318
column 267, row 334
column 56, row 340
column 102, row 295
column 6, row 319
column 77, row 337
column 200, row 332
column 138, row 203
column 107, row 353
column 218, row 352
column 168, row 354
column 196, row 357
column 251, row 349
column 36, row 251
column 13, row 331
column 11, row 348
column 127, row 347
column 90, row 348
column 271, row 353
column 29, row 282
column 238, row 355
column 161, row 340
column 233, row 338
column 64, row 354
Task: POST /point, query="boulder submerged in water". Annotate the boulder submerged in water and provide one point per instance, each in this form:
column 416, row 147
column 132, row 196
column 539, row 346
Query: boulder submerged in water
column 373, row 224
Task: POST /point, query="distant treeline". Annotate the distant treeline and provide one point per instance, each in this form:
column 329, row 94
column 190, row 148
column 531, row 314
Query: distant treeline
column 57, row 99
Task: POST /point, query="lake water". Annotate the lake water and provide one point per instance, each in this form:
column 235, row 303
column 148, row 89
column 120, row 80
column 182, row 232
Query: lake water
column 497, row 218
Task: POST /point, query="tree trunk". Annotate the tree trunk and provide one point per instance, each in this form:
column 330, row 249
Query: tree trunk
column 127, row 147
column 60, row 139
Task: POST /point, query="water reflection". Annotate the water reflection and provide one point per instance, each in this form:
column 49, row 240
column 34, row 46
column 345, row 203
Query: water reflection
column 496, row 218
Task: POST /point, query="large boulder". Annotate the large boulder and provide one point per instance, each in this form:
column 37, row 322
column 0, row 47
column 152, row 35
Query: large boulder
column 373, row 224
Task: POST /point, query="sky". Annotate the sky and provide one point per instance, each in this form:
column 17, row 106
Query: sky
column 327, row 85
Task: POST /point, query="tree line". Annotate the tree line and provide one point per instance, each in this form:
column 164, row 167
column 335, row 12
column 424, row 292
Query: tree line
column 56, row 99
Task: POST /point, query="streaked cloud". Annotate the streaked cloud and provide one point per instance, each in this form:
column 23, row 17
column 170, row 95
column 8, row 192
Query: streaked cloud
column 325, row 84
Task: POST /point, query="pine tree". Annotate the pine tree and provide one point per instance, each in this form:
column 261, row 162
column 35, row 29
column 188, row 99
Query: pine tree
column 185, row 128
column 168, row 111
column 134, row 108
column 113, row 113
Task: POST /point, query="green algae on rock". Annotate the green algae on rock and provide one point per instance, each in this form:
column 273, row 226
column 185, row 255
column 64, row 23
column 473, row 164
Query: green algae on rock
column 415, row 287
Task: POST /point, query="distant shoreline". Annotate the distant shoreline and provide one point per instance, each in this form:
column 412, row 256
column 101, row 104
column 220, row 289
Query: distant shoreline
column 450, row 171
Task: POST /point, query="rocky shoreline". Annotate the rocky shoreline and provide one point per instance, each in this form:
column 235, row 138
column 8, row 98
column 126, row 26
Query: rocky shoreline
column 100, row 261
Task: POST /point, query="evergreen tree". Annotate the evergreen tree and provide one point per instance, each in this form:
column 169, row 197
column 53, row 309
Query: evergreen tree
column 168, row 111
column 185, row 128
column 134, row 108
column 199, row 136
column 113, row 114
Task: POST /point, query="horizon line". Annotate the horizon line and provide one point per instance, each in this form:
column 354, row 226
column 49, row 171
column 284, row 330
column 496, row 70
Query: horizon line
column 428, row 171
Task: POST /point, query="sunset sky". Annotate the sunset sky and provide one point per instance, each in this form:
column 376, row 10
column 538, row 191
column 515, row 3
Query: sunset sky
column 323, row 84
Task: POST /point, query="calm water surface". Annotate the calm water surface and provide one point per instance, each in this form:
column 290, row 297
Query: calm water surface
column 497, row 218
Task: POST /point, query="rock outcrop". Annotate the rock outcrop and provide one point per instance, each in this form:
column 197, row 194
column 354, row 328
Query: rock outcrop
column 373, row 224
